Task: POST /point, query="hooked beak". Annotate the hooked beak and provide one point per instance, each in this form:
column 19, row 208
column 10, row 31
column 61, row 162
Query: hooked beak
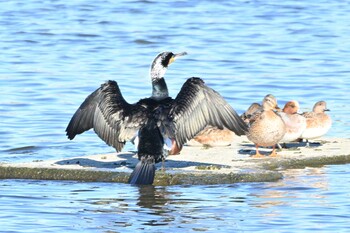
column 176, row 56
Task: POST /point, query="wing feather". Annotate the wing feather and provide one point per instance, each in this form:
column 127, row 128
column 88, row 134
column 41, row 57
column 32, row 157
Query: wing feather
column 113, row 119
column 197, row 106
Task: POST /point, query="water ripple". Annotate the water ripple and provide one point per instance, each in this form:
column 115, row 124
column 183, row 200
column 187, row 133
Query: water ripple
column 55, row 53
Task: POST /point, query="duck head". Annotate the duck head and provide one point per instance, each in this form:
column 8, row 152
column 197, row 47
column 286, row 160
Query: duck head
column 291, row 107
column 320, row 107
column 270, row 103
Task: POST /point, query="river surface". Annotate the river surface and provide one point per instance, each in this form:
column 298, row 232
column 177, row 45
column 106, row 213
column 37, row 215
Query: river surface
column 55, row 53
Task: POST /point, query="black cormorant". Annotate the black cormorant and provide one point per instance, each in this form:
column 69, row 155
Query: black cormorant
column 154, row 119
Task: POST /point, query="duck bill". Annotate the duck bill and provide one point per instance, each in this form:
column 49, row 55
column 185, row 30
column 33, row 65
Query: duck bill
column 278, row 109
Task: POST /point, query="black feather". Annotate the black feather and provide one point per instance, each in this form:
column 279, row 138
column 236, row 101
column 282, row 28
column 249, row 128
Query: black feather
column 113, row 119
column 197, row 106
column 116, row 121
column 144, row 172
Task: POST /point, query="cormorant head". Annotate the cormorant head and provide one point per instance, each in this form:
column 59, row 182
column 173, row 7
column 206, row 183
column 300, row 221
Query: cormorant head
column 161, row 63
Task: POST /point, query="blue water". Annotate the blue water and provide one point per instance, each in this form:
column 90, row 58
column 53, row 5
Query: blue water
column 311, row 200
column 55, row 53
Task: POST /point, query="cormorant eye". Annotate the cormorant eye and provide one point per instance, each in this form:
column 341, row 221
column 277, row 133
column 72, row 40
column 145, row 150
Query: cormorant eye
column 166, row 59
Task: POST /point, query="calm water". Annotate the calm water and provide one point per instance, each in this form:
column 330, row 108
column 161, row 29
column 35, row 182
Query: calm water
column 311, row 200
column 54, row 53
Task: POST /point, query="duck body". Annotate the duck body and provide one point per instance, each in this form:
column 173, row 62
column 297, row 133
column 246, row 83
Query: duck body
column 266, row 127
column 294, row 122
column 318, row 122
column 295, row 126
column 213, row 137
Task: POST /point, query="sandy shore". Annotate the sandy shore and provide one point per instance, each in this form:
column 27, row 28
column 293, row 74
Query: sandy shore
column 195, row 165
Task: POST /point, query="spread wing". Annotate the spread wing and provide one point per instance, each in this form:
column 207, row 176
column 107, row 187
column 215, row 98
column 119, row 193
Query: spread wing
column 113, row 119
column 197, row 106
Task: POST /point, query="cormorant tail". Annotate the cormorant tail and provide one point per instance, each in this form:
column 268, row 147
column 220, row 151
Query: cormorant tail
column 144, row 171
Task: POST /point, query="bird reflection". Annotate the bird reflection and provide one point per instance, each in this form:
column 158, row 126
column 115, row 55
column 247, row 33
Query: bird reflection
column 152, row 197
column 296, row 182
column 154, row 201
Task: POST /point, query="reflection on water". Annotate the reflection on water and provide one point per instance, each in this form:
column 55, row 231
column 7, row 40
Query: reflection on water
column 306, row 200
column 153, row 198
column 297, row 184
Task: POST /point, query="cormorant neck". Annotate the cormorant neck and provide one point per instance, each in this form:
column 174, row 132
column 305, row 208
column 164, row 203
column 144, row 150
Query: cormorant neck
column 159, row 89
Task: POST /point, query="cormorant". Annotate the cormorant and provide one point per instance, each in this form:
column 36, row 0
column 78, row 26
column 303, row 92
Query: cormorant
column 154, row 119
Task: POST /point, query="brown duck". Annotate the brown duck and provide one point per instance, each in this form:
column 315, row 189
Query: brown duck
column 266, row 126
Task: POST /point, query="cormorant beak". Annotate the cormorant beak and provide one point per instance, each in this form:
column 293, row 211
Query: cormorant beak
column 175, row 56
